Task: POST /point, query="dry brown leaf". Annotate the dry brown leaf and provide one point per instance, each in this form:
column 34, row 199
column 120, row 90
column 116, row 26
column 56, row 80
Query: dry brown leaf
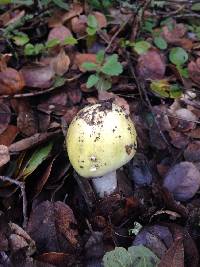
column 4, row 155
column 8, row 136
column 53, row 227
column 11, row 81
column 81, row 58
column 178, row 139
column 101, row 19
column 60, row 33
column 151, row 65
column 79, row 25
column 192, row 152
column 60, row 63
column 174, row 35
column 174, row 257
column 194, row 70
column 75, row 10
column 56, row 19
column 38, row 76
column 57, row 258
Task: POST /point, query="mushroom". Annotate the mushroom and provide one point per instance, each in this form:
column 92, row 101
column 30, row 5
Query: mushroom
column 100, row 139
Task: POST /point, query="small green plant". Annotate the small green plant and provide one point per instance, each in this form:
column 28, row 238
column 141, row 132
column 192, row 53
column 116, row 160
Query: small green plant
column 140, row 47
column 92, row 25
column 104, row 69
column 163, row 88
column 178, row 56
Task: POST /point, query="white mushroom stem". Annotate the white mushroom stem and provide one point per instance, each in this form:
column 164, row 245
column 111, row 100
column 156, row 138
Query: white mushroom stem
column 106, row 184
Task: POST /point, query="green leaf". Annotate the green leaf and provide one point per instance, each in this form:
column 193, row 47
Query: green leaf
column 119, row 257
column 160, row 87
column 143, row 257
column 61, row 4
column 141, row 47
column 52, row 43
column 39, row 48
column 36, row 159
column 21, row 39
column 183, row 71
column 178, row 56
column 175, row 91
column 70, row 41
column 89, row 66
column 92, row 80
column 103, row 84
column 92, row 21
column 91, row 31
column 160, row 42
column 100, row 56
column 29, row 50
column 195, row 7
column 112, row 66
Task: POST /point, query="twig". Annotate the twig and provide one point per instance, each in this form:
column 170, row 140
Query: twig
column 21, row 185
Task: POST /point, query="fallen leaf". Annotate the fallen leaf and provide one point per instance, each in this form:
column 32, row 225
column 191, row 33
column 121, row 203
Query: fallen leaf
column 79, row 25
column 182, row 180
column 52, row 226
column 172, row 36
column 57, row 258
column 60, row 33
column 194, row 71
column 174, row 256
column 81, row 58
column 8, row 136
column 151, row 65
column 60, row 63
column 75, row 10
column 192, row 152
column 69, row 115
column 4, row 155
column 11, row 81
column 38, row 76
column 5, row 115
column 74, row 95
column 178, row 139
column 101, row 19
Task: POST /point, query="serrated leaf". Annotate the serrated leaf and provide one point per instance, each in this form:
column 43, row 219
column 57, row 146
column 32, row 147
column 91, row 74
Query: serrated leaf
column 143, row 257
column 112, row 66
column 92, row 21
column 70, row 41
column 92, row 80
column 141, row 47
column 21, row 39
column 36, row 159
column 103, row 84
column 100, row 56
column 89, row 66
column 53, row 42
column 119, row 257
column 178, row 56
column 91, row 31
column 160, row 42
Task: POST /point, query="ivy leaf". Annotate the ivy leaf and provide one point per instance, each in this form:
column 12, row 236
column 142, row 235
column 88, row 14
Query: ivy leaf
column 92, row 80
column 89, row 66
column 112, row 66
column 160, row 42
column 178, row 56
column 141, row 47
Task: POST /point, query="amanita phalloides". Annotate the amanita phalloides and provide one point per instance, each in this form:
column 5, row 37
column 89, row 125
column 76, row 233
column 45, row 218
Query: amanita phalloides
column 100, row 139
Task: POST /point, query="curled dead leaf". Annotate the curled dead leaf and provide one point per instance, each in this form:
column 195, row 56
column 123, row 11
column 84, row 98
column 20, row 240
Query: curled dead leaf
column 81, row 58
column 38, row 76
column 4, row 155
column 151, row 65
column 11, row 81
column 194, row 71
column 60, row 63
column 60, row 33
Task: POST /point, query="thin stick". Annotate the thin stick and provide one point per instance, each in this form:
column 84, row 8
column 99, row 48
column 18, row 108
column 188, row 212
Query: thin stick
column 21, row 185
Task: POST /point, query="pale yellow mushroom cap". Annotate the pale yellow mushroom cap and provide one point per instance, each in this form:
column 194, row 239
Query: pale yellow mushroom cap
column 100, row 139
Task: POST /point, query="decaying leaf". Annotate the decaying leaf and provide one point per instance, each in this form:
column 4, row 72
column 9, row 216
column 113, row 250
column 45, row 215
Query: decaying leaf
column 60, row 63
column 82, row 58
column 38, row 76
column 183, row 181
column 52, row 226
column 192, row 152
column 11, row 81
column 151, row 65
column 8, row 136
column 60, row 33
column 194, row 70
column 4, row 155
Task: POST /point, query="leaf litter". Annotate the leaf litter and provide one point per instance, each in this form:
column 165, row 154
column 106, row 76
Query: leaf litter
column 54, row 62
